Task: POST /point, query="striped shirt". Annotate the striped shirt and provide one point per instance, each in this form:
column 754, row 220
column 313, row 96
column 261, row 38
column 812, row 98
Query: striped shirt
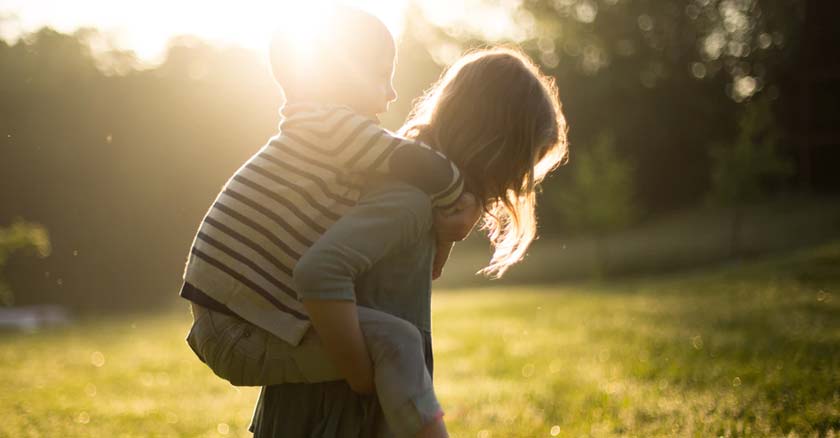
column 284, row 198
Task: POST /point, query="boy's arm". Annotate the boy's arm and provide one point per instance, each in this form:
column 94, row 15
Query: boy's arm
column 425, row 168
column 359, row 145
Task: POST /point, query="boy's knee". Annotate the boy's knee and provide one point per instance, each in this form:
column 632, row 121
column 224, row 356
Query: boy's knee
column 409, row 332
column 401, row 338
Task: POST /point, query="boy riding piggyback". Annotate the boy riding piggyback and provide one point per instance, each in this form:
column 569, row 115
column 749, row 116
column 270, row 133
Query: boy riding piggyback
column 253, row 321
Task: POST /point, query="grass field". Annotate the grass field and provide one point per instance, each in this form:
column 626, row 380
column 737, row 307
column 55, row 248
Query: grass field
column 735, row 351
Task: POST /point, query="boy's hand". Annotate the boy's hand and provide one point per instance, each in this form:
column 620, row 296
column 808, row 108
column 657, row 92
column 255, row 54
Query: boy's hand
column 455, row 223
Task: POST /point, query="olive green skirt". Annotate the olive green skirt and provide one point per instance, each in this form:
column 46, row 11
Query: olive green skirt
column 322, row 410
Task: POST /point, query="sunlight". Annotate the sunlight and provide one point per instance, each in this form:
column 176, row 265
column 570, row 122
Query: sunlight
column 492, row 21
column 300, row 19
column 250, row 24
column 301, row 23
column 147, row 28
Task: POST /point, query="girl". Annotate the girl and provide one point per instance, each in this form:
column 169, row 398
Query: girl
column 501, row 123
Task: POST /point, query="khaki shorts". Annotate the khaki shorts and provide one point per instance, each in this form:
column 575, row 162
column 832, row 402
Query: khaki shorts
column 247, row 355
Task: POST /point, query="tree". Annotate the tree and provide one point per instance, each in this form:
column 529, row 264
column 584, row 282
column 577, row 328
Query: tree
column 600, row 199
column 668, row 77
column 741, row 171
column 20, row 236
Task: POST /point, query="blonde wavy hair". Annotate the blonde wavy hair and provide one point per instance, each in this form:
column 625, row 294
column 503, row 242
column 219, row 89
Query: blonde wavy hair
column 497, row 117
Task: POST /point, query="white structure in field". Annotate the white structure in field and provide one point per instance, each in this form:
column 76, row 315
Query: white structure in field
column 32, row 317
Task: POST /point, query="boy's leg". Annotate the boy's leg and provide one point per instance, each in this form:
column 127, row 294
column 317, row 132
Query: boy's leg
column 403, row 383
column 247, row 355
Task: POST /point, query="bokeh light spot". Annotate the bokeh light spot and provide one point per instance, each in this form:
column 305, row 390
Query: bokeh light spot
column 698, row 70
column 645, row 22
column 528, row 370
column 697, row 342
column 97, row 359
column 82, row 418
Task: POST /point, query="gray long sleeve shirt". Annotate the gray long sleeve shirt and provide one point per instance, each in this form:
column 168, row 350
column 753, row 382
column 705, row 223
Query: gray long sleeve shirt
column 363, row 257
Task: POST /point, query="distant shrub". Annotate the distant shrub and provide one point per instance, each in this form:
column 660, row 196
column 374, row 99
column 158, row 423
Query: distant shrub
column 601, row 198
column 741, row 171
column 20, row 236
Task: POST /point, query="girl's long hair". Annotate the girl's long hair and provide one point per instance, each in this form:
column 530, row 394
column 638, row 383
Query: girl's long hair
column 497, row 117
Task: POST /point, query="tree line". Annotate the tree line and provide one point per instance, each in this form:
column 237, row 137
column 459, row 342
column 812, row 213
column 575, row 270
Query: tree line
column 118, row 163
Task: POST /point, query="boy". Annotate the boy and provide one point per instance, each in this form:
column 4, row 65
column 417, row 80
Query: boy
column 284, row 197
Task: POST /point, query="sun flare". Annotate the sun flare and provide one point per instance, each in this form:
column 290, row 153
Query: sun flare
column 146, row 28
column 301, row 23
column 251, row 24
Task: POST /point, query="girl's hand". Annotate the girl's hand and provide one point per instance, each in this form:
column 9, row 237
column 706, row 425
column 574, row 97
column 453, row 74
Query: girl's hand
column 452, row 225
column 441, row 255
column 455, row 223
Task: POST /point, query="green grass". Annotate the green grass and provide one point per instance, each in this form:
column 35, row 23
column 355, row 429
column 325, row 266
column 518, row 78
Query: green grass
column 737, row 351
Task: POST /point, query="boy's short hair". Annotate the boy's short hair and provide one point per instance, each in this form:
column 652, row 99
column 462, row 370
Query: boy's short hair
column 332, row 57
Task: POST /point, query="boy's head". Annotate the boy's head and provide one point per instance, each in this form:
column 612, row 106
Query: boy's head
column 348, row 59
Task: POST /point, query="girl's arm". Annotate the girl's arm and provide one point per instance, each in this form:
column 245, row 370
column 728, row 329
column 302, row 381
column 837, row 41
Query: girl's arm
column 337, row 324
column 391, row 217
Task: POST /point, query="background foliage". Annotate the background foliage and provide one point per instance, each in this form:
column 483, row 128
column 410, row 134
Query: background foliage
column 119, row 161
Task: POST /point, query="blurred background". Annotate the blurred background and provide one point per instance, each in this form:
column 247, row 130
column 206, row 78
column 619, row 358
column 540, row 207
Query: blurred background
column 684, row 283
column 701, row 131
